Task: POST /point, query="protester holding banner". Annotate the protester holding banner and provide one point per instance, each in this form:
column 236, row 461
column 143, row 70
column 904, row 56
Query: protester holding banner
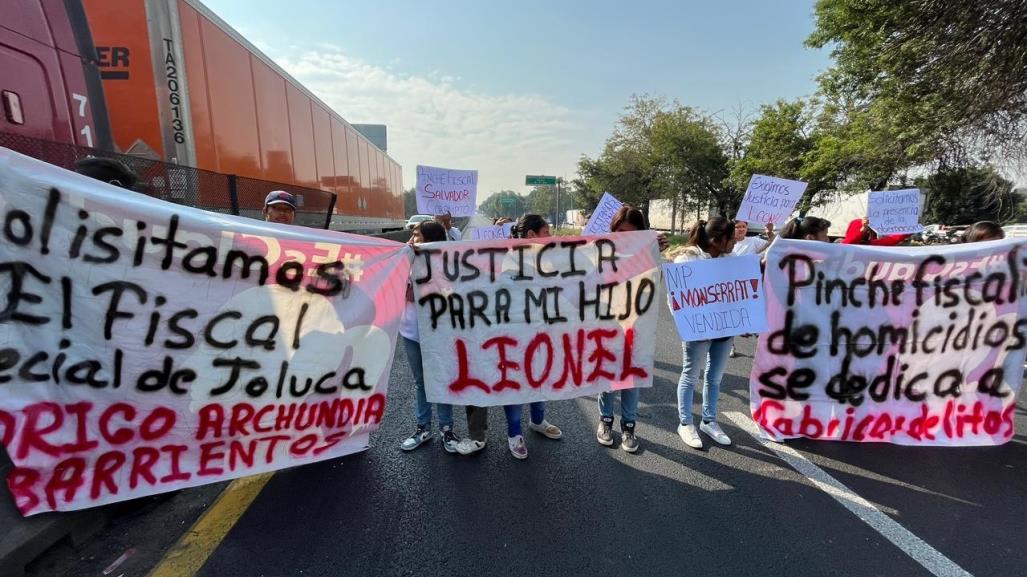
column 427, row 231
column 859, row 232
column 707, row 239
column 528, row 226
column 807, row 228
column 280, row 207
column 626, row 219
column 984, row 230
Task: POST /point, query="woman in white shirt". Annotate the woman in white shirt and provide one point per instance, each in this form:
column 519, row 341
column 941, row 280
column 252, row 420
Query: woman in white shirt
column 426, row 231
column 707, row 239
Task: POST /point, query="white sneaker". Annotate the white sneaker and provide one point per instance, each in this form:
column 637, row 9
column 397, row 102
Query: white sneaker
column 517, row 447
column 715, row 432
column 469, row 446
column 546, row 428
column 690, row 436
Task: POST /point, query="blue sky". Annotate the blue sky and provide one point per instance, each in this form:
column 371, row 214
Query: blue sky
column 512, row 88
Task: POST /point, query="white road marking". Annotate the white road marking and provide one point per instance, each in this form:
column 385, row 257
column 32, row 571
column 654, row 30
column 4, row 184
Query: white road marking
column 927, row 556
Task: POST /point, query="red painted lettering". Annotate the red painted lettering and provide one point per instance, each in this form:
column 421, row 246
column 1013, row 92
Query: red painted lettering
column 68, row 476
column 103, row 474
column 122, row 435
column 157, row 424
column 627, row 369
column 212, row 419
column 601, row 354
column 143, row 460
column 209, row 454
column 529, row 358
column 32, row 434
column 241, row 415
column 505, row 364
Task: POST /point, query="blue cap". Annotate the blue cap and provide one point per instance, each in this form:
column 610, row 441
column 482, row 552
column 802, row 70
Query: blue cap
column 280, row 197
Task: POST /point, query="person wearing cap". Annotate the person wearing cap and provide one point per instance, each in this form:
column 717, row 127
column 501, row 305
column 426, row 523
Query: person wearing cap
column 446, row 220
column 280, row 207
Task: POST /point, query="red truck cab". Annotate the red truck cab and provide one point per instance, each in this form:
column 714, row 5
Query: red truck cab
column 50, row 85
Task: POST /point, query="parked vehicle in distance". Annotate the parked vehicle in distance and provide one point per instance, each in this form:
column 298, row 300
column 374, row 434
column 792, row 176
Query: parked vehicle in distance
column 416, row 219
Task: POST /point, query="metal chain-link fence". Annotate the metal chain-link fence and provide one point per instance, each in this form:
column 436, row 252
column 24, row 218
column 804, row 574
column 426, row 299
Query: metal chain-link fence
column 224, row 193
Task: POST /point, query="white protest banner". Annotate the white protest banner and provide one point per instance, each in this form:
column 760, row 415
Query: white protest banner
column 147, row 347
column 505, row 322
column 602, row 216
column 442, row 190
column 920, row 346
column 895, row 211
column 717, row 297
column 770, row 199
column 498, row 231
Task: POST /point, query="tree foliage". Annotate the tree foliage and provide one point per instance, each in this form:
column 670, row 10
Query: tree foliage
column 967, row 195
column 947, row 78
column 504, row 203
column 659, row 150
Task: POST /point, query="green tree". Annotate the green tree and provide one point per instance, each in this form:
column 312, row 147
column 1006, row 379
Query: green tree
column 937, row 80
column 627, row 167
column 688, row 152
column 503, row 203
column 542, row 200
column 967, row 195
column 778, row 145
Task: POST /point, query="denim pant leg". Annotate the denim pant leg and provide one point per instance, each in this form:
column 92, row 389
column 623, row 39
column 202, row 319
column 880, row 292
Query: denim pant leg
column 629, row 405
column 606, row 405
column 693, row 359
column 422, row 409
column 538, row 412
column 718, row 356
column 445, row 415
column 513, row 420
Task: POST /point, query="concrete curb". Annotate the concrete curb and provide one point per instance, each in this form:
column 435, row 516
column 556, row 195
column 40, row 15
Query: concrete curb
column 22, row 539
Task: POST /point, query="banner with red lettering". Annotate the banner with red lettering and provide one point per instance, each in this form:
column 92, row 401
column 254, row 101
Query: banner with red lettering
column 512, row 321
column 912, row 346
column 147, row 347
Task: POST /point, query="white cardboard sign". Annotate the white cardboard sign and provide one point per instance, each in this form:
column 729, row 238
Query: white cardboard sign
column 895, row 211
column 770, row 199
column 442, row 190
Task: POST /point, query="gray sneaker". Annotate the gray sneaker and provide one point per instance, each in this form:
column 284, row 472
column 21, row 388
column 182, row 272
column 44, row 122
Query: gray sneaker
column 414, row 441
column 604, row 434
column 450, row 441
column 628, row 440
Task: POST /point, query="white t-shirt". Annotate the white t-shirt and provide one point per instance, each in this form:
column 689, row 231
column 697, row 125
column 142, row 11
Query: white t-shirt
column 454, row 233
column 749, row 245
column 408, row 323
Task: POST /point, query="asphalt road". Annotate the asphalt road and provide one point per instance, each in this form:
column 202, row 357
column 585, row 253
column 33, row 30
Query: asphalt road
column 575, row 507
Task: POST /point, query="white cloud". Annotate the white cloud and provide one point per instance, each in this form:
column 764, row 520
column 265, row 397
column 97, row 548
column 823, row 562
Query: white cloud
column 433, row 119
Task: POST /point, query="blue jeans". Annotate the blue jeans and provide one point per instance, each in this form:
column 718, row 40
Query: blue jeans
column 628, row 405
column 697, row 355
column 422, row 408
column 513, row 417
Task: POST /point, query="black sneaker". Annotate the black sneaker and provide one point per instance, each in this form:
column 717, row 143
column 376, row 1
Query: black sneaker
column 414, row 441
column 628, row 441
column 604, row 434
column 449, row 439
